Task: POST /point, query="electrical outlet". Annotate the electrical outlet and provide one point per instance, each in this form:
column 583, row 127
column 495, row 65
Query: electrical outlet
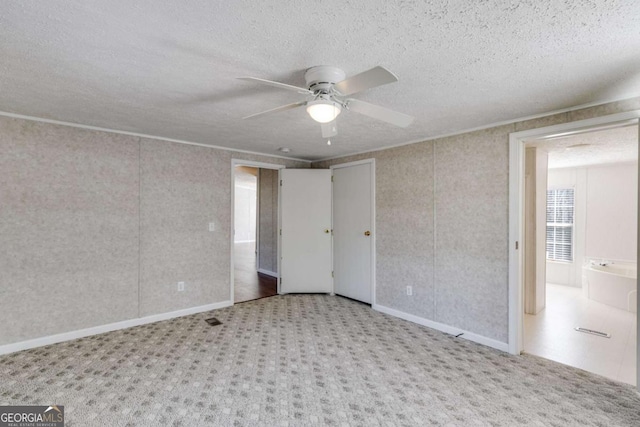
column 409, row 290
column 180, row 286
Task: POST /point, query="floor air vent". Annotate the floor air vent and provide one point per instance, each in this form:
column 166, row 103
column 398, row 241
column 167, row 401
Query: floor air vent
column 213, row 321
column 592, row 332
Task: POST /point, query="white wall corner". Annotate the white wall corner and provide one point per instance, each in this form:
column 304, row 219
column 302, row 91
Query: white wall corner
column 96, row 330
column 489, row 342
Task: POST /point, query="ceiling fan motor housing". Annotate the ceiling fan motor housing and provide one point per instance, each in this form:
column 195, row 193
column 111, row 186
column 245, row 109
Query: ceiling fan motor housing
column 321, row 78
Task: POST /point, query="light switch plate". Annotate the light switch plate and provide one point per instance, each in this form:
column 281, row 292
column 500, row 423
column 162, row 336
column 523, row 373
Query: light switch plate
column 212, row 226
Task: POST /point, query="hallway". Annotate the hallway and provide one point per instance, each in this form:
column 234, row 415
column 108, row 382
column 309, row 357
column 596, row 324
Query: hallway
column 248, row 283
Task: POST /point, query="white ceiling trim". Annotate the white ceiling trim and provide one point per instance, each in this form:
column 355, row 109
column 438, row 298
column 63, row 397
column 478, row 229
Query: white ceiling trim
column 387, row 147
column 489, row 126
column 142, row 135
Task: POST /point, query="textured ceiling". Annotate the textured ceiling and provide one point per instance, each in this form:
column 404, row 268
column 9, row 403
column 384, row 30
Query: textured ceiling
column 592, row 148
column 168, row 68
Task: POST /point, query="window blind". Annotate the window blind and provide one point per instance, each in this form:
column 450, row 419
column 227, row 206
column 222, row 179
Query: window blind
column 560, row 218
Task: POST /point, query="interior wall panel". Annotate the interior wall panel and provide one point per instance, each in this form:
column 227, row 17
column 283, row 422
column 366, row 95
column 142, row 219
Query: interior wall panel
column 68, row 227
column 71, row 227
column 471, row 240
column 405, row 228
column 178, row 201
column 470, row 220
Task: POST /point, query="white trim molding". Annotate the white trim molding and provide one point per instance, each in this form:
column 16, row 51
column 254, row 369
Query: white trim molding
column 143, row 135
column 96, row 330
column 489, row 342
column 516, row 202
column 354, row 163
column 478, row 128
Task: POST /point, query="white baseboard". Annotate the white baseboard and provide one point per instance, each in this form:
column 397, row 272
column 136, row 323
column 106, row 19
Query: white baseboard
column 268, row 272
column 67, row 336
column 502, row 346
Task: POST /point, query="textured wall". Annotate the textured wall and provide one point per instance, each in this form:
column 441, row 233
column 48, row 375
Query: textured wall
column 70, row 224
column 69, row 229
column 471, row 241
column 179, row 199
column 98, row 228
column 268, row 220
column 442, row 223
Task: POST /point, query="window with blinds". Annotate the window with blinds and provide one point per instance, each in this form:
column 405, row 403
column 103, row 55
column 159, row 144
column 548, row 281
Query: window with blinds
column 560, row 214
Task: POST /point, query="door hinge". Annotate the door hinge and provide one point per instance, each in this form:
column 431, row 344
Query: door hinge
column 516, row 245
column 281, row 231
column 332, row 274
column 331, row 178
column 280, row 183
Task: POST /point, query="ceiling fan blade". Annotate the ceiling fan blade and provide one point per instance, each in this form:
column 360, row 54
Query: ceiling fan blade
column 329, row 129
column 278, row 84
column 380, row 113
column 278, row 109
column 376, row 76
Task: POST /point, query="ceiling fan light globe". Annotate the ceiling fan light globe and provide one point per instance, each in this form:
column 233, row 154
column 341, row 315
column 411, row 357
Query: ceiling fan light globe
column 323, row 112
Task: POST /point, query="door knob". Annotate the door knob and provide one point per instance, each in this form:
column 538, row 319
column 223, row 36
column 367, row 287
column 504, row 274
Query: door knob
column 367, row 233
column 326, row 231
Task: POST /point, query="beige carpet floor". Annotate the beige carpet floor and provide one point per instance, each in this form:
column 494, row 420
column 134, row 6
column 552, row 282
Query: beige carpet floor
column 305, row 360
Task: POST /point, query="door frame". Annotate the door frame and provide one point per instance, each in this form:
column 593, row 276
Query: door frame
column 372, row 162
column 259, row 165
column 516, row 204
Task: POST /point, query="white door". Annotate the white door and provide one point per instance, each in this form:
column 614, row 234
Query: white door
column 306, row 231
column 353, row 231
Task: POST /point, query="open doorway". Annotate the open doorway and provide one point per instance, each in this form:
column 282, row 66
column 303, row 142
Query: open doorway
column 255, row 237
column 580, row 249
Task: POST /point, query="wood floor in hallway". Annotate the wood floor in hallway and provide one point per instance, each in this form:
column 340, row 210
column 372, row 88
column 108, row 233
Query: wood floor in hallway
column 248, row 283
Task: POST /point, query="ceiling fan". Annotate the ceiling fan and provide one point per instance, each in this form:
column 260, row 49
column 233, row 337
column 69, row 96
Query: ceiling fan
column 327, row 91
